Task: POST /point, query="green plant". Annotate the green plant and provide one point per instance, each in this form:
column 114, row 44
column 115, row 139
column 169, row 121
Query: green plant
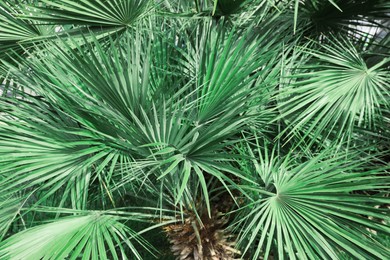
column 227, row 129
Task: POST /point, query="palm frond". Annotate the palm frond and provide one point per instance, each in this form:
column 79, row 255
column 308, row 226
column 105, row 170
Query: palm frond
column 15, row 33
column 101, row 13
column 133, row 115
column 351, row 18
column 33, row 157
column 329, row 96
column 330, row 3
column 13, row 29
column 92, row 236
column 10, row 207
column 313, row 208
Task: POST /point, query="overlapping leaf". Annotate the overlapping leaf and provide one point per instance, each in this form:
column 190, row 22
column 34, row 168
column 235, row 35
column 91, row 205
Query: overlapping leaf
column 116, row 13
column 314, row 209
column 353, row 18
column 156, row 112
column 330, row 95
column 94, row 236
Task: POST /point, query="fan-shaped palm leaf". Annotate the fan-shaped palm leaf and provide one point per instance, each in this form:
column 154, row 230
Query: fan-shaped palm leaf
column 187, row 132
column 336, row 95
column 15, row 32
column 50, row 159
column 113, row 13
column 13, row 29
column 152, row 118
column 93, row 236
column 310, row 209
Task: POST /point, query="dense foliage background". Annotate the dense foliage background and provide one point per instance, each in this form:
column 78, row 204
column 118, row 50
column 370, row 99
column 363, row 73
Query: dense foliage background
column 220, row 129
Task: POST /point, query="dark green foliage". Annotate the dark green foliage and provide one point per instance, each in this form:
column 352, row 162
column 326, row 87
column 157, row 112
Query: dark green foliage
column 260, row 125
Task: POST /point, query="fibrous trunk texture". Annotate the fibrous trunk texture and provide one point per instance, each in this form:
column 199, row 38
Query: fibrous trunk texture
column 202, row 240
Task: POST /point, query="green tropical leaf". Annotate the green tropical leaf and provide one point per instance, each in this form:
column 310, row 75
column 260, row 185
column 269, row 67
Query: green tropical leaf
column 117, row 13
column 334, row 93
column 222, row 126
column 14, row 31
column 311, row 209
column 353, row 18
column 93, row 236
column 311, row 2
column 9, row 209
